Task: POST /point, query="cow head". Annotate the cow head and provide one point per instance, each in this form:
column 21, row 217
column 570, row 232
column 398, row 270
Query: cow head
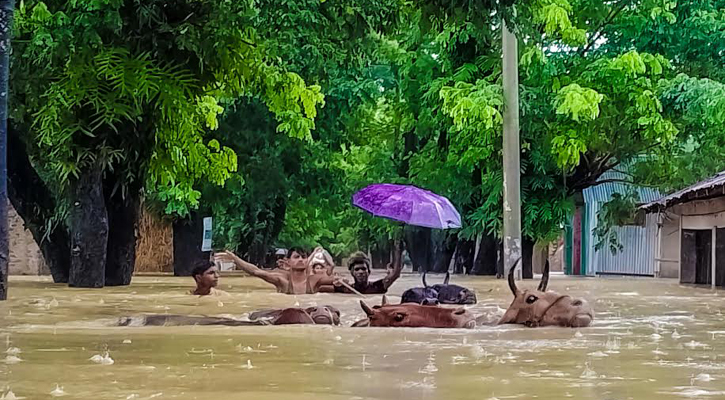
column 324, row 315
column 453, row 294
column 541, row 308
column 416, row 316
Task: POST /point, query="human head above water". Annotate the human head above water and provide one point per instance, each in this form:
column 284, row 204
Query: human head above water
column 206, row 274
column 296, row 258
column 359, row 266
column 320, row 261
column 318, row 268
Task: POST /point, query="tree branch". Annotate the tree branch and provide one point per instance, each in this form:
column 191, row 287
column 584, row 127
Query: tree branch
column 607, row 21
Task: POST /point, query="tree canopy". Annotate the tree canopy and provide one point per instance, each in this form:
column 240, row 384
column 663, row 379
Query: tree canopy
column 269, row 115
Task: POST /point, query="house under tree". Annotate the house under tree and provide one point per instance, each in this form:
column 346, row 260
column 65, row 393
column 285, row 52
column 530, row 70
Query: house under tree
column 638, row 240
column 691, row 237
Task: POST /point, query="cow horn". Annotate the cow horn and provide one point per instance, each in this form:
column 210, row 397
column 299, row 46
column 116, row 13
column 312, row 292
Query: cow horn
column 448, row 277
column 369, row 311
column 425, row 284
column 512, row 284
column 544, row 278
column 385, row 300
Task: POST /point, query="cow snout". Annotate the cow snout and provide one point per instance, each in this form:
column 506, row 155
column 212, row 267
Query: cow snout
column 429, row 302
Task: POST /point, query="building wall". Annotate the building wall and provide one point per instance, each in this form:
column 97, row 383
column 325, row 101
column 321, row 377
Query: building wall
column 702, row 214
column 669, row 246
column 698, row 215
column 637, row 255
column 25, row 257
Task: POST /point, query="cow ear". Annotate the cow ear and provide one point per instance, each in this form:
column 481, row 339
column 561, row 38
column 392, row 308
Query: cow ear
column 369, row 311
column 448, row 277
column 385, row 301
column 459, row 311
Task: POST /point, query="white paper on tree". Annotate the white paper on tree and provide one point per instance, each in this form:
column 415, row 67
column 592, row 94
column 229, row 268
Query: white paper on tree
column 206, row 239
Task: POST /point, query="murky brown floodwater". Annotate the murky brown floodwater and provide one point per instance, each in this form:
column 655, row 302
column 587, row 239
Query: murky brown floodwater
column 652, row 339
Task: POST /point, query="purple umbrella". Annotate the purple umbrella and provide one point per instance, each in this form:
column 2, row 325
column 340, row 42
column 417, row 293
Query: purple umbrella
column 409, row 204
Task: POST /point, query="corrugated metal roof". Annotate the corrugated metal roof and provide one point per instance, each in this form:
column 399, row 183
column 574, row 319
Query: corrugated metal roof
column 603, row 192
column 699, row 190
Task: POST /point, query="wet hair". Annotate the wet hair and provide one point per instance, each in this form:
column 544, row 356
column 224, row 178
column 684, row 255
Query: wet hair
column 201, row 267
column 297, row 250
column 358, row 258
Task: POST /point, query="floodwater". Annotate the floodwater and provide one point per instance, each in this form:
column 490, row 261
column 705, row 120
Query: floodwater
column 651, row 339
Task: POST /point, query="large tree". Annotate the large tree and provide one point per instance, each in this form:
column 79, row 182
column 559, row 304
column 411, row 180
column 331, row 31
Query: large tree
column 590, row 102
column 115, row 98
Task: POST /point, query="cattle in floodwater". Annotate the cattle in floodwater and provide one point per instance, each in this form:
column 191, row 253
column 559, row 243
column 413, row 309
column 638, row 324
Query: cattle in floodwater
column 322, row 315
column 444, row 293
column 415, row 316
column 538, row 307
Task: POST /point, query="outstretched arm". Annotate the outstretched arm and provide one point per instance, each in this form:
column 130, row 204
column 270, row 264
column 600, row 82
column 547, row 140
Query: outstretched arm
column 251, row 269
column 317, row 281
column 397, row 265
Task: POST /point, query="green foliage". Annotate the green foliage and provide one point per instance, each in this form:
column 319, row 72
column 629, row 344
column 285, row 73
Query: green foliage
column 578, row 103
column 619, row 211
column 214, row 93
column 554, row 14
column 136, row 86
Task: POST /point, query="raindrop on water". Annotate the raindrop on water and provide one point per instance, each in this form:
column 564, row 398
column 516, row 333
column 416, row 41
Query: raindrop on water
column 588, row 373
column 58, row 391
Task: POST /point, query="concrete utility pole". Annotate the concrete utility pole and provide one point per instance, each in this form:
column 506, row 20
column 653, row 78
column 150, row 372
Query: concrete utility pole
column 6, row 23
column 511, row 153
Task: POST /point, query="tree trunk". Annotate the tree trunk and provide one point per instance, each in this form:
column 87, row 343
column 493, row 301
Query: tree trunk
column 33, row 201
column 526, row 258
column 89, row 231
column 465, row 251
column 257, row 253
column 121, row 250
column 188, row 234
column 444, row 247
column 380, row 254
column 500, row 273
column 485, row 263
column 418, row 245
column 6, row 21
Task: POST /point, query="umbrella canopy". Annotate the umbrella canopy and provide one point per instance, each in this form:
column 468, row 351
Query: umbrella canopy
column 409, row 204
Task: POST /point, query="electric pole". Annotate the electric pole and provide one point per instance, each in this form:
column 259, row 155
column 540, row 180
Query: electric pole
column 511, row 153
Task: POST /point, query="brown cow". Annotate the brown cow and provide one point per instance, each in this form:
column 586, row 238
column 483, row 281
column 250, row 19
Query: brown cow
column 410, row 315
column 541, row 308
column 324, row 315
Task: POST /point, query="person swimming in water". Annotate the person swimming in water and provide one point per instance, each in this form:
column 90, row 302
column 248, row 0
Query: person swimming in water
column 294, row 278
column 206, row 276
column 359, row 266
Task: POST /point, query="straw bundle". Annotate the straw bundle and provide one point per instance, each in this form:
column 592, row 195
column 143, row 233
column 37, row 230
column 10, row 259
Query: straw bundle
column 154, row 244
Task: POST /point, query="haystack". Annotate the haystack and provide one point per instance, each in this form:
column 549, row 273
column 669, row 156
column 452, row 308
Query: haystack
column 154, row 244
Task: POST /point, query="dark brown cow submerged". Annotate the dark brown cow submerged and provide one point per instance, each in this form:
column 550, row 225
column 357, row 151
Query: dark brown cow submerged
column 535, row 308
column 322, row 315
column 410, row 315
